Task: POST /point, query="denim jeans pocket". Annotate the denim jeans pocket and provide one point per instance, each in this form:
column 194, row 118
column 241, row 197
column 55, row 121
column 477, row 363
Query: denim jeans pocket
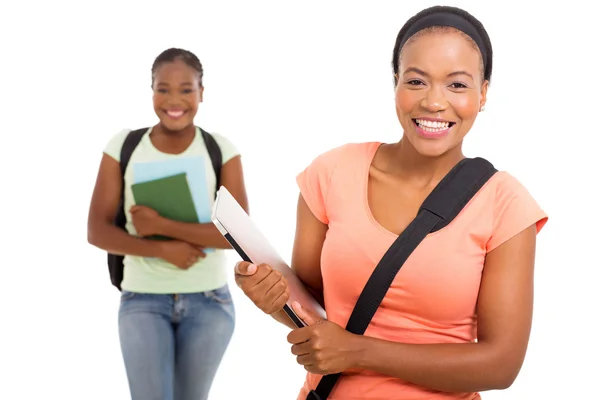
column 221, row 295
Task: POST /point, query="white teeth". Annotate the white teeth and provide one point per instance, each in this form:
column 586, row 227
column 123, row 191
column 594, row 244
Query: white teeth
column 432, row 126
column 175, row 114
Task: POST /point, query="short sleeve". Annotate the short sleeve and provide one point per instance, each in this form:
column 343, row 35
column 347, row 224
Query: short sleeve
column 314, row 181
column 228, row 149
column 113, row 148
column 514, row 211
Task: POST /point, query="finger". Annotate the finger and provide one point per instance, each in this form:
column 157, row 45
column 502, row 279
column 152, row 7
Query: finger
column 266, row 294
column 299, row 336
column 134, row 208
column 266, row 278
column 199, row 253
column 247, row 282
column 305, row 359
column 306, row 315
column 245, row 268
column 299, row 350
column 277, row 295
column 280, row 302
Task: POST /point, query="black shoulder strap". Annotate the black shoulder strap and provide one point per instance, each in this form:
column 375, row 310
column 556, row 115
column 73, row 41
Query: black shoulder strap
column 129, row 144
column 115, row 261
column 216, row 157
column 443, row 204
column 131, row 141
column 134, row 137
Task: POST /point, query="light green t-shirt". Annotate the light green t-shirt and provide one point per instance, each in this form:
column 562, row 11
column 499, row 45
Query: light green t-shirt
column 154, row 275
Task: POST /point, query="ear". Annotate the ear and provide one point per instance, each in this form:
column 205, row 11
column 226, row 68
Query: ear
column 483, row 96
column 201, row 94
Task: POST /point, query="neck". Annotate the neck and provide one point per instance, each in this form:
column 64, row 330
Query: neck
column 408, row 162
column 180, row 134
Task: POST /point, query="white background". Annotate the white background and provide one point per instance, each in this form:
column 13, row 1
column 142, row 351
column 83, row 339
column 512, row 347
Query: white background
column 284, row 82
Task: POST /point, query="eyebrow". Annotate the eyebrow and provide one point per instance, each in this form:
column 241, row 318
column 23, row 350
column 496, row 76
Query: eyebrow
column 421, row 72
column 166, row 84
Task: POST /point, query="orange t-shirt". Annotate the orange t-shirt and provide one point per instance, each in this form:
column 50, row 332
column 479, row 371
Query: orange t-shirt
column 433, row 297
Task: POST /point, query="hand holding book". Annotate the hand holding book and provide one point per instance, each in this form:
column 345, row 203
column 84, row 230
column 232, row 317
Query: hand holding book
column 164, row 198
column 145, row 220
column 181, row 254
column 148, row 222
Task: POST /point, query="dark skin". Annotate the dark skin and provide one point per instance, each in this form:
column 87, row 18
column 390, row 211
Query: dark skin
column 401, row 177
column 177, row 89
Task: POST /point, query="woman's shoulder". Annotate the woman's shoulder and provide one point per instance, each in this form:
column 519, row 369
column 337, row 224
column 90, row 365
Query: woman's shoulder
column 220, row 138
column 115, row 143
column 504, row 188
column 120, row 136
column 505, row 184
column 340, row 158
column 228, row 149
column 513, row 208
column 347, row 151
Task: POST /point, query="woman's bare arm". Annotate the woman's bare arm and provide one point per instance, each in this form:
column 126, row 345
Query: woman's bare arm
column 306, row 255
column 504, row 315
column 102, row 232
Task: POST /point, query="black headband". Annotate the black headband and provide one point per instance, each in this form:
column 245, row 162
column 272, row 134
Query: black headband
column 448, row 19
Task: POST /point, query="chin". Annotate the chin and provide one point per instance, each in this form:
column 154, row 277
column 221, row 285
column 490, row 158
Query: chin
column 431, row 152
column 431, row 148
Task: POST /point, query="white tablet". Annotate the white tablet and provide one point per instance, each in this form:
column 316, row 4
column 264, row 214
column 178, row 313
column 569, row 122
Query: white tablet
column 245, row 238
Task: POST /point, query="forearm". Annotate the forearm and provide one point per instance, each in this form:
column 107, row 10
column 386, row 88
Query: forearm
column 205, row 235
column 115, row 240
column 468, row 367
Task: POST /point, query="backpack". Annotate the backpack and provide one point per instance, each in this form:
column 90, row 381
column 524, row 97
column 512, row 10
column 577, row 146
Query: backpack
column 115, row 261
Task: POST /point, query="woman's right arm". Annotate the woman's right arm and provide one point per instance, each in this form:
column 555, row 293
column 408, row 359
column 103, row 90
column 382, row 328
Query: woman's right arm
column 102, row 232
column 267, row 288
column 308, row 244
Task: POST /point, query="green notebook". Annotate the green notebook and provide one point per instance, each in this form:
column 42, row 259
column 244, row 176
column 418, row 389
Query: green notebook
column 170, row 197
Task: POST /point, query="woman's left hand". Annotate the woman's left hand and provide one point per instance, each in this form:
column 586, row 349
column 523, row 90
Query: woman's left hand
column 323, row 347
column 145, row 220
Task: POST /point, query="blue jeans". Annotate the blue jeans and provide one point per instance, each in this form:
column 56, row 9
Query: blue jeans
column 172, row 344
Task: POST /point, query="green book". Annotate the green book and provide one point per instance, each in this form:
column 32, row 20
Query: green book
column 170, row 197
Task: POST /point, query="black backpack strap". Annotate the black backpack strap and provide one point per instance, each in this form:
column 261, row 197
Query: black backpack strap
column 443, row 204
column 131, row 141
column 129, row 144
column 216, row 157
column 115, row 261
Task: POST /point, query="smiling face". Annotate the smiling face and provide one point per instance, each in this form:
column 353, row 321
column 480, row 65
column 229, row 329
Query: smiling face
column 177, row 93
column 440, row 90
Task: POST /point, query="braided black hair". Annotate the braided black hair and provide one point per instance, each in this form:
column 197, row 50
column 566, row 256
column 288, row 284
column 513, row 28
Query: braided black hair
column 174, row 54
column 486, row 67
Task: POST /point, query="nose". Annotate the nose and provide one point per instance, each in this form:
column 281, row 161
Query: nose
column 434, row 100
column 173, row 100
